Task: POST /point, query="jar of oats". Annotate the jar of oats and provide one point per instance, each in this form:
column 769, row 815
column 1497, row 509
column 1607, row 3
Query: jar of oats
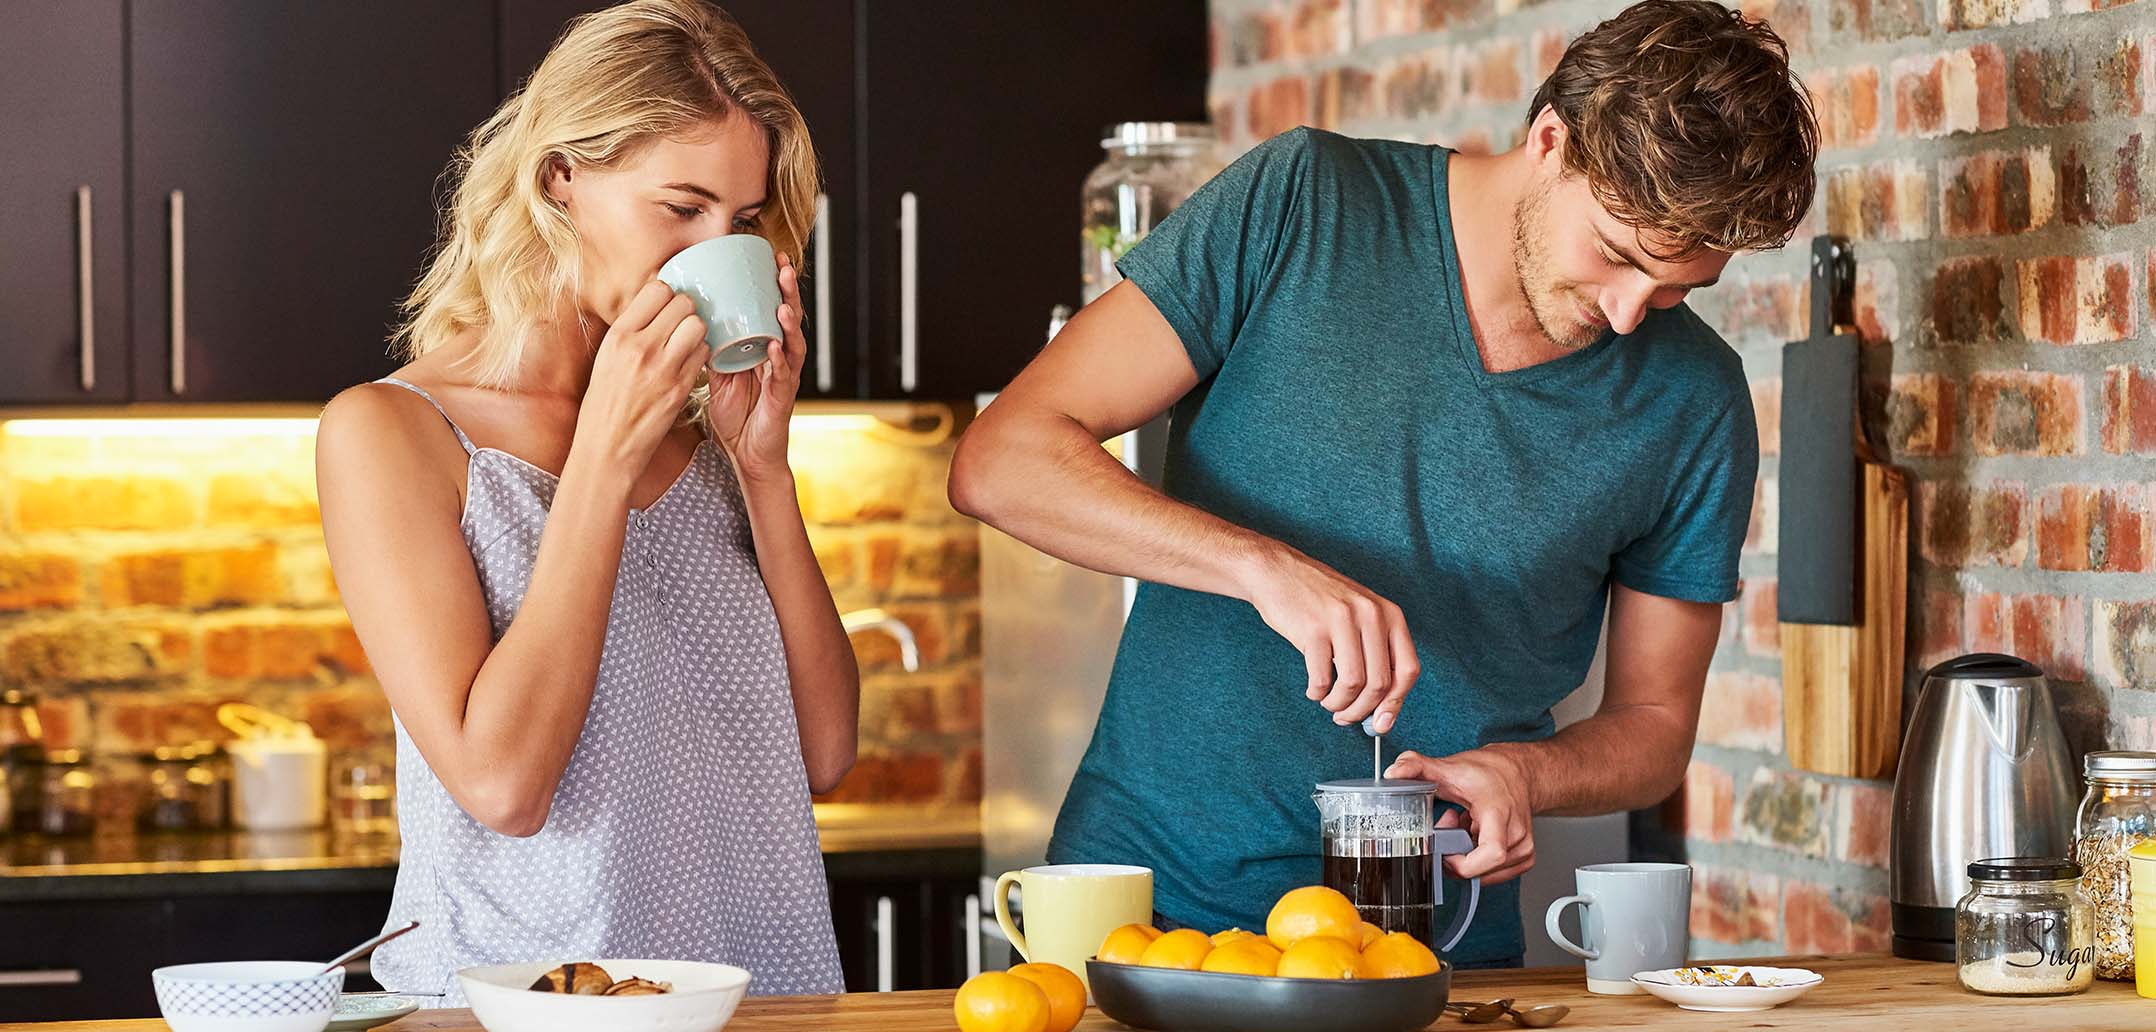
column 2118, row 813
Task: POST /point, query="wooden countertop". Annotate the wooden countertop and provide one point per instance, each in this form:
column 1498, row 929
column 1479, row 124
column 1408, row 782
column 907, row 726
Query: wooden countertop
column 1861, row 992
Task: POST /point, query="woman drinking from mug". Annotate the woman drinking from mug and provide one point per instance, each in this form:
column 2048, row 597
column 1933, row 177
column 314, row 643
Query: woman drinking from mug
column 575, row 555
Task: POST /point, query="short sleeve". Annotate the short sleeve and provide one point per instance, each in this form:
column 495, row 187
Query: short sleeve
column 1205, row 265
column 1691, row 551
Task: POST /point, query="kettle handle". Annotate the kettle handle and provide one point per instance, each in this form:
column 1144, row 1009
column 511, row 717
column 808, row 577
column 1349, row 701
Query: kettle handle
column 1446, row 842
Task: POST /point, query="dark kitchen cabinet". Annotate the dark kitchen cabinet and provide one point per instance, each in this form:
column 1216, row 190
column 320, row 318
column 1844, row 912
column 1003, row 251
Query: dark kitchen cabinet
column 980, row 120
column 809, row 45
column 90, row 959
column 63, row 251
column 284, row 165
column 281, row 169
column 904, row 919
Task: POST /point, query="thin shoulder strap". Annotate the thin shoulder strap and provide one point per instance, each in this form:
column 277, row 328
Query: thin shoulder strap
column 453, row 427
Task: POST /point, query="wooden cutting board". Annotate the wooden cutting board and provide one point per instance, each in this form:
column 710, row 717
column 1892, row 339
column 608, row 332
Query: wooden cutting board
column 1843, row 552
column 1841, row 685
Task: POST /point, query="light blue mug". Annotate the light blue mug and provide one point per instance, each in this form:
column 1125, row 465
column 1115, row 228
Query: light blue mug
column 1635, row 917
column 734, row 281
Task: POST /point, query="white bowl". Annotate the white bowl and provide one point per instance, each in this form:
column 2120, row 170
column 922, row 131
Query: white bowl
column 247, row 996
column 1776, row 986
column 703, row 999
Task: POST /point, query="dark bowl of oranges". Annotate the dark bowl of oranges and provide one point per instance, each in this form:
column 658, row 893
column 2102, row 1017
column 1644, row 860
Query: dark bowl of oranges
column 1318, row 967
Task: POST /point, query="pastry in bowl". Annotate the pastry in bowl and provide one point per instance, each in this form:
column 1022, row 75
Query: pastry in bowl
column 584, row 978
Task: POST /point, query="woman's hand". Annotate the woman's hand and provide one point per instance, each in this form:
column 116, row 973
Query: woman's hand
column 749, row 411
column 641, row 377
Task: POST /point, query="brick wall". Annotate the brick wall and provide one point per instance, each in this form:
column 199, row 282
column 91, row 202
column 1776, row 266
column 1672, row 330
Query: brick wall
column 1986, row 156
column 150, row 571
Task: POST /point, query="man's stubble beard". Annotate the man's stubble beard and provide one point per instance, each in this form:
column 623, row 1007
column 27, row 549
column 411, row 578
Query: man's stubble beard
column 1554, row 314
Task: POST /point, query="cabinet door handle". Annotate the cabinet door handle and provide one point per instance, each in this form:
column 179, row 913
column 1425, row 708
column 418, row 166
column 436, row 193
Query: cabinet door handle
column 86, row 290
column 886, row 915
column 970, row 931
column 909, row 291
column 45, row 976
column 825, row 378
column 178, row 228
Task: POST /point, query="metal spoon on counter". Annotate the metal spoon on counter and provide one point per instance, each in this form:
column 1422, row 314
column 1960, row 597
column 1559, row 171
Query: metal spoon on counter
column 1541, row 1015
column 367, row 947
column 1538, row 1016
column 1481, row 1013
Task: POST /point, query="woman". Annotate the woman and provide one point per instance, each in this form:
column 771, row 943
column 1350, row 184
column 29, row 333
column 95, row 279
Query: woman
column 616, row 670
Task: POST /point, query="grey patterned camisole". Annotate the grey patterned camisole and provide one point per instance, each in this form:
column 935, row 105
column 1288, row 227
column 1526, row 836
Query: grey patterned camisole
column 682, row 827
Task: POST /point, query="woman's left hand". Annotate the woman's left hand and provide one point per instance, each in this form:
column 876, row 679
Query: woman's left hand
column 749, row 411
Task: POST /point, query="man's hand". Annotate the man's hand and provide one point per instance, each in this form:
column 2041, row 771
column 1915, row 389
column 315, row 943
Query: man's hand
column 1493, row 787
column 1357, row 654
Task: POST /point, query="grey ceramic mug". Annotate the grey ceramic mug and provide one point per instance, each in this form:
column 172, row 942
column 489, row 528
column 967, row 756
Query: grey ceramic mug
column 734, row 280
column 1634, row 918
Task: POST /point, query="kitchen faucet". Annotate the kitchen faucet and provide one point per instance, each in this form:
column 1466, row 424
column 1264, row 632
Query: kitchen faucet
column 909, row 651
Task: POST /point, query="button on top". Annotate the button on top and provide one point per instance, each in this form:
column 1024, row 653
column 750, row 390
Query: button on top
column 651, row 562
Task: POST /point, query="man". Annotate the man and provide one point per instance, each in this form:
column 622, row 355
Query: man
column 1433, row 415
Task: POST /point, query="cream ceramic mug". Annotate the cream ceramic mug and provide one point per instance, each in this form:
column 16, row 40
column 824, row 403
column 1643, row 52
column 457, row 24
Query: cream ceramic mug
column 1070, row 908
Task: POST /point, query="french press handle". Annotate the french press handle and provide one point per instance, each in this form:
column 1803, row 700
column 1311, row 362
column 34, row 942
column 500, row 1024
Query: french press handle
column 1446, row 842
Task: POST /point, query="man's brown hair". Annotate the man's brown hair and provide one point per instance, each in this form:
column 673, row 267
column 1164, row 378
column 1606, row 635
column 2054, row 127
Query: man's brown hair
column 1684, row 119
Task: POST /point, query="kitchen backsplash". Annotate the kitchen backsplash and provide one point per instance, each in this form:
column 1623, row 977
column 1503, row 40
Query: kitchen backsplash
column 152, row 569
column 1987, row 158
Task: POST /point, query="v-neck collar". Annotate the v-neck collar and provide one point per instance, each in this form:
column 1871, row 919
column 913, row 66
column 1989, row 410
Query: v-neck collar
column 1463, row 331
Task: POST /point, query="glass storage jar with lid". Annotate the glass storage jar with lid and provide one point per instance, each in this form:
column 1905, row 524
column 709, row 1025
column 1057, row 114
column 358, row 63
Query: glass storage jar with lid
column 22, row 759
column 169, row 802
column 2117, row 813
column 2024, row 928
column 68, row 795
column 1151, row 167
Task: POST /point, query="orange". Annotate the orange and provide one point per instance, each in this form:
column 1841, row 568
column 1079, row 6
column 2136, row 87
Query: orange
column 1184, row 948
column 1371, row 933
column 1312, row 910
column 1231, row 935
column 1066, row 994
column 1320, row 956
column 995, row 1001
column 1246, row 956
column 1398, row 955
column 1126, row 944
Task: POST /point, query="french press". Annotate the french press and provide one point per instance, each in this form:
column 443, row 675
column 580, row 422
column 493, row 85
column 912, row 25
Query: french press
column 1382, row 846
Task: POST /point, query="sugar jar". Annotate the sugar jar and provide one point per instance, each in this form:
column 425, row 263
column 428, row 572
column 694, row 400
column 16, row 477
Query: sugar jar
column 2024, row 928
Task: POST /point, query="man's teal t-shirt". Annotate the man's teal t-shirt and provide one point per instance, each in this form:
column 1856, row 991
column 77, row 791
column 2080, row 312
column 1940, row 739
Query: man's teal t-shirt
column 1343, row 408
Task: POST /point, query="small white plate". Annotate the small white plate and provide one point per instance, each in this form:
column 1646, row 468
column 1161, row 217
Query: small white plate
column 1776, row 986
column 356, row 1012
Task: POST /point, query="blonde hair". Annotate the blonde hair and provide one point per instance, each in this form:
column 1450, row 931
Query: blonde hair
column 615, row 81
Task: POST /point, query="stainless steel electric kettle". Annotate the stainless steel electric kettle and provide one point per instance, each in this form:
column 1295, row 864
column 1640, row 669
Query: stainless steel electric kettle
column 1984, row 773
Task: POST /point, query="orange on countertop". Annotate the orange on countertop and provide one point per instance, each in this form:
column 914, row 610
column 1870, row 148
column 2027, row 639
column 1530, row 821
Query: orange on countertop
column 1066, row 994
column 996, row 1001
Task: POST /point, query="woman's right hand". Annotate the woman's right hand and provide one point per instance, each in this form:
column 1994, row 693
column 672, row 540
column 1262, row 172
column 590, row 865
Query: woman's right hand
column 647, row 364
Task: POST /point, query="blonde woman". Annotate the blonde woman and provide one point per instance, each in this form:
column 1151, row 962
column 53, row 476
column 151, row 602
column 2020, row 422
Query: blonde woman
column 616, row 671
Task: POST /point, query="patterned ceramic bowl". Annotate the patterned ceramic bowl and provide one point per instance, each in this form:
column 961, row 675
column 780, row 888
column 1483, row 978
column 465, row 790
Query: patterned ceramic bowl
column 247, row 996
